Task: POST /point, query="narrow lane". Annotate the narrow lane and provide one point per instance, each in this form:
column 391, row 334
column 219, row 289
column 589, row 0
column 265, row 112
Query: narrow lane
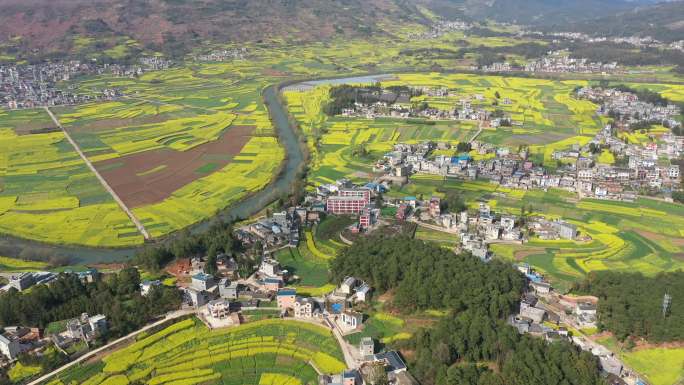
column 102, row 180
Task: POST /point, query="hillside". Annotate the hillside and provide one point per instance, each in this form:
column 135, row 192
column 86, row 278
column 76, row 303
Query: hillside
column 662, row 21
column 533, row 12
column 173, row 25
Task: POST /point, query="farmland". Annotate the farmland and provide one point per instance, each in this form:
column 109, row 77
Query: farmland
column 642, row 236
column 192, row 140
column 551, row 119
column 661, row 365
column 174, row 155
column 260, row 352
column 46, row 191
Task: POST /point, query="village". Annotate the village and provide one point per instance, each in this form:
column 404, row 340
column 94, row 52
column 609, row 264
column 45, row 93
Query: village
column 556, row 62
column 36, row 85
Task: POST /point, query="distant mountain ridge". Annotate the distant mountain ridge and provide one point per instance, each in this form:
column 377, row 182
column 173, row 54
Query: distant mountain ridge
column 664, row 21
column 170, row 25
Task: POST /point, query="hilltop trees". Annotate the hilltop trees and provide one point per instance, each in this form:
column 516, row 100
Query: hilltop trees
column 630, row 304
column 472, row 345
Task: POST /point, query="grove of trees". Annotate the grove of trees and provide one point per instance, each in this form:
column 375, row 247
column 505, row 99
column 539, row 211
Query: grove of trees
column 117, row 296
column 630, row 304
column 472, row 345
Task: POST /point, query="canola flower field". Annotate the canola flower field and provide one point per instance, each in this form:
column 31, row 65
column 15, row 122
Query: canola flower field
column 267, row 352
column 642, row 236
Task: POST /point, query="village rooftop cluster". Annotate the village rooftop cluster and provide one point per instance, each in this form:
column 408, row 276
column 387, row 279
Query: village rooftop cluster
column 36, row 85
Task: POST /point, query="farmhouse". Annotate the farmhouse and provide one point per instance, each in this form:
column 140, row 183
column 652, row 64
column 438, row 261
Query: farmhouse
column 304, row 307
column 366, row 347
column 228, row 289
column 202, row 281
column 286, row 299
column 350, row 320
column 219, row 308
column 10, row 346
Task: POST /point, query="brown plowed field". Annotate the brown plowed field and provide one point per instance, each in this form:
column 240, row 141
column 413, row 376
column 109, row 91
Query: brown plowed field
column 152, row 176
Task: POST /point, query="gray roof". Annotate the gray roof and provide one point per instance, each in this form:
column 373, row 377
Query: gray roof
column 393, row 360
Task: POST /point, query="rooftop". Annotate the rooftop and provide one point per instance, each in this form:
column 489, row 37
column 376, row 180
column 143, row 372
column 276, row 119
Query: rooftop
column 287, row 292
column 202, row 277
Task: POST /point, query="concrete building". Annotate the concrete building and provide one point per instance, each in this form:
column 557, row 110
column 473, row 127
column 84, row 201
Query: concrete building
column 228, row 289
column 22, row 281
column 9, row 347
column 202, row 281
column 286, row 298
column 367, row 347
column 351, row 320
column 197, row 297
column 303, row 307
column 219, row 308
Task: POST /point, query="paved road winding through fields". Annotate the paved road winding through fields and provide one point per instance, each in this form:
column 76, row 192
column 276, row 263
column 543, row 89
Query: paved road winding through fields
column 102, row 180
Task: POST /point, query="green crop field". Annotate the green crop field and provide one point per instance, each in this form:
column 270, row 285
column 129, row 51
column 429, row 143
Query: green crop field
column 261, row 352
column 43, row 183
column 47, row 192
column 660, row 365
column 643, row 236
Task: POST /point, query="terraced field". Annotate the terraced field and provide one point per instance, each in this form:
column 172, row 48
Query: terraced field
column 551, row 119
column 643, row 236
column 268, row 352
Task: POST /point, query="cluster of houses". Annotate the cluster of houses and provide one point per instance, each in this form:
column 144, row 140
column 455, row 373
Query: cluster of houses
column 35, row 85
column 580, row 171
column 644, row 169
column 628, row 109
column 336, row 308
column 401, row 107
column 562, row 62
column 371, row 366
column 15, row 340
column 279, row 229
column 439, row 28
column 542, row 311
column 556, row 62
column 223, row 55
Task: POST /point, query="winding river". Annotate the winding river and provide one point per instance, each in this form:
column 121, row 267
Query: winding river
column 294, row 161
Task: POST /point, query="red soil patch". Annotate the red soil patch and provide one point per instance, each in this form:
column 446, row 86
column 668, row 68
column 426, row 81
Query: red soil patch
column 519, row 255
column 109, row 266
column 108, row 124
column 178, row 268
column 273, row 72
column 133, row 179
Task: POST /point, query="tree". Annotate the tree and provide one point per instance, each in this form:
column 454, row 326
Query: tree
column 464, row 147
column 379, row 201
column 210, row 265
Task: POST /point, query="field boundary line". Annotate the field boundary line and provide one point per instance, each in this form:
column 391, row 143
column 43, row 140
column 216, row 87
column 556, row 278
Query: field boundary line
column 102, row 180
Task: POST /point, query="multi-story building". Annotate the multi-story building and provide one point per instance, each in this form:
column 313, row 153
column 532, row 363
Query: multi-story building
column 286, row 298
column 202, row 281
column 228, row 289
column 346, row 204
column 219, row 308
column 303, row 307
column 9, row 347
